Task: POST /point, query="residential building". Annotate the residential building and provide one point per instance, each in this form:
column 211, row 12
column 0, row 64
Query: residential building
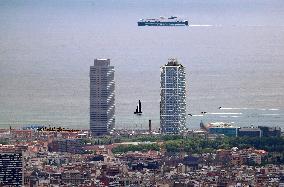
column 74, row 146
column 102, row 97
column 173, row 98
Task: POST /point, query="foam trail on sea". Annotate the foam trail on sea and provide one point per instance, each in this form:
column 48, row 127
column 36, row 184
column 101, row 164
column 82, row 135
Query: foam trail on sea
column 224, row 108
column 200, row 25
column 273, row 109
column 197, row 115
column 270, row 114
column 225, row 113
column 263, row 109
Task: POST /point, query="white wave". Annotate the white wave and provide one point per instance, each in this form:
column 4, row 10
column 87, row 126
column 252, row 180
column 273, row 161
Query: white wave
column 225, row 113
column 197, row 115
column 235, row 116
column 270, row 114
column 262, row 109
column 224, row 108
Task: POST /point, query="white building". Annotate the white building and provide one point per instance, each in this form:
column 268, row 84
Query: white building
column 173, row 98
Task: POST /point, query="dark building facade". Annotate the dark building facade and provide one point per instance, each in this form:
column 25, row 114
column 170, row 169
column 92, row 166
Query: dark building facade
column 74, row 146
column 11, row 169
column 260, row 131
column 250, row 132
column 270, row 131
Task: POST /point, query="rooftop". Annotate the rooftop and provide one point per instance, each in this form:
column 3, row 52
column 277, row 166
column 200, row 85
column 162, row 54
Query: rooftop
column 221, row 125
column 101, row 62
column 172, row 62
column 249, row 129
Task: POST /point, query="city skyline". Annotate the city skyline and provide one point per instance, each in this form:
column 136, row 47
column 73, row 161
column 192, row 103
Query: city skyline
column 90, row 98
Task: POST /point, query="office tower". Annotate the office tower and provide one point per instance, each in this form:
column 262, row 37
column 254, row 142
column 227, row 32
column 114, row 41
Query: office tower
column 150, row 126
column 173, row 98
column 102, row 106
column 11, row 169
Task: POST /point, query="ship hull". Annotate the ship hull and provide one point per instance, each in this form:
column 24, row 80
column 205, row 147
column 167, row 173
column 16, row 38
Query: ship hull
column 185, row 23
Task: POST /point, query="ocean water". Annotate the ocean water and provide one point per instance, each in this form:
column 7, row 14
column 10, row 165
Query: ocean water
column 233, row 52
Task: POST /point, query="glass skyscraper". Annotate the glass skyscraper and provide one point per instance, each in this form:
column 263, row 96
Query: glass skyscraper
column 11, row 169
column 102, row 97
column 173, row 98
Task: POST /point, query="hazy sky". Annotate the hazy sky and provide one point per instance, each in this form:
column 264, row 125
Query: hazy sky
column 233, row 53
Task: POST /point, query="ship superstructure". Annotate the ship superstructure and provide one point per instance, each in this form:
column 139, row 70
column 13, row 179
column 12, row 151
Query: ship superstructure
column 162, row 21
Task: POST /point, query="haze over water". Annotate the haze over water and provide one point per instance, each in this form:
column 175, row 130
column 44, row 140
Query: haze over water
column 233, row 52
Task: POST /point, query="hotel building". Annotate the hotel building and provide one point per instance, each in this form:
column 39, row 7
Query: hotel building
column 173, row 98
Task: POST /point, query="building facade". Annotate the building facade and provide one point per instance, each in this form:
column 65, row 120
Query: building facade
column 11, row 169
column 74, row 146
column 250, row 132
column 270, row 131
column 102, row 97
column 227, row 131
column 173, row 98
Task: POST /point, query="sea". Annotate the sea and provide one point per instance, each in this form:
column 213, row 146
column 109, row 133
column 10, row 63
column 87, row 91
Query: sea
column 233, row 51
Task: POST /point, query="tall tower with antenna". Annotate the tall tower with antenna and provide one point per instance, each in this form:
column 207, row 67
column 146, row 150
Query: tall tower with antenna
column 173, row 98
